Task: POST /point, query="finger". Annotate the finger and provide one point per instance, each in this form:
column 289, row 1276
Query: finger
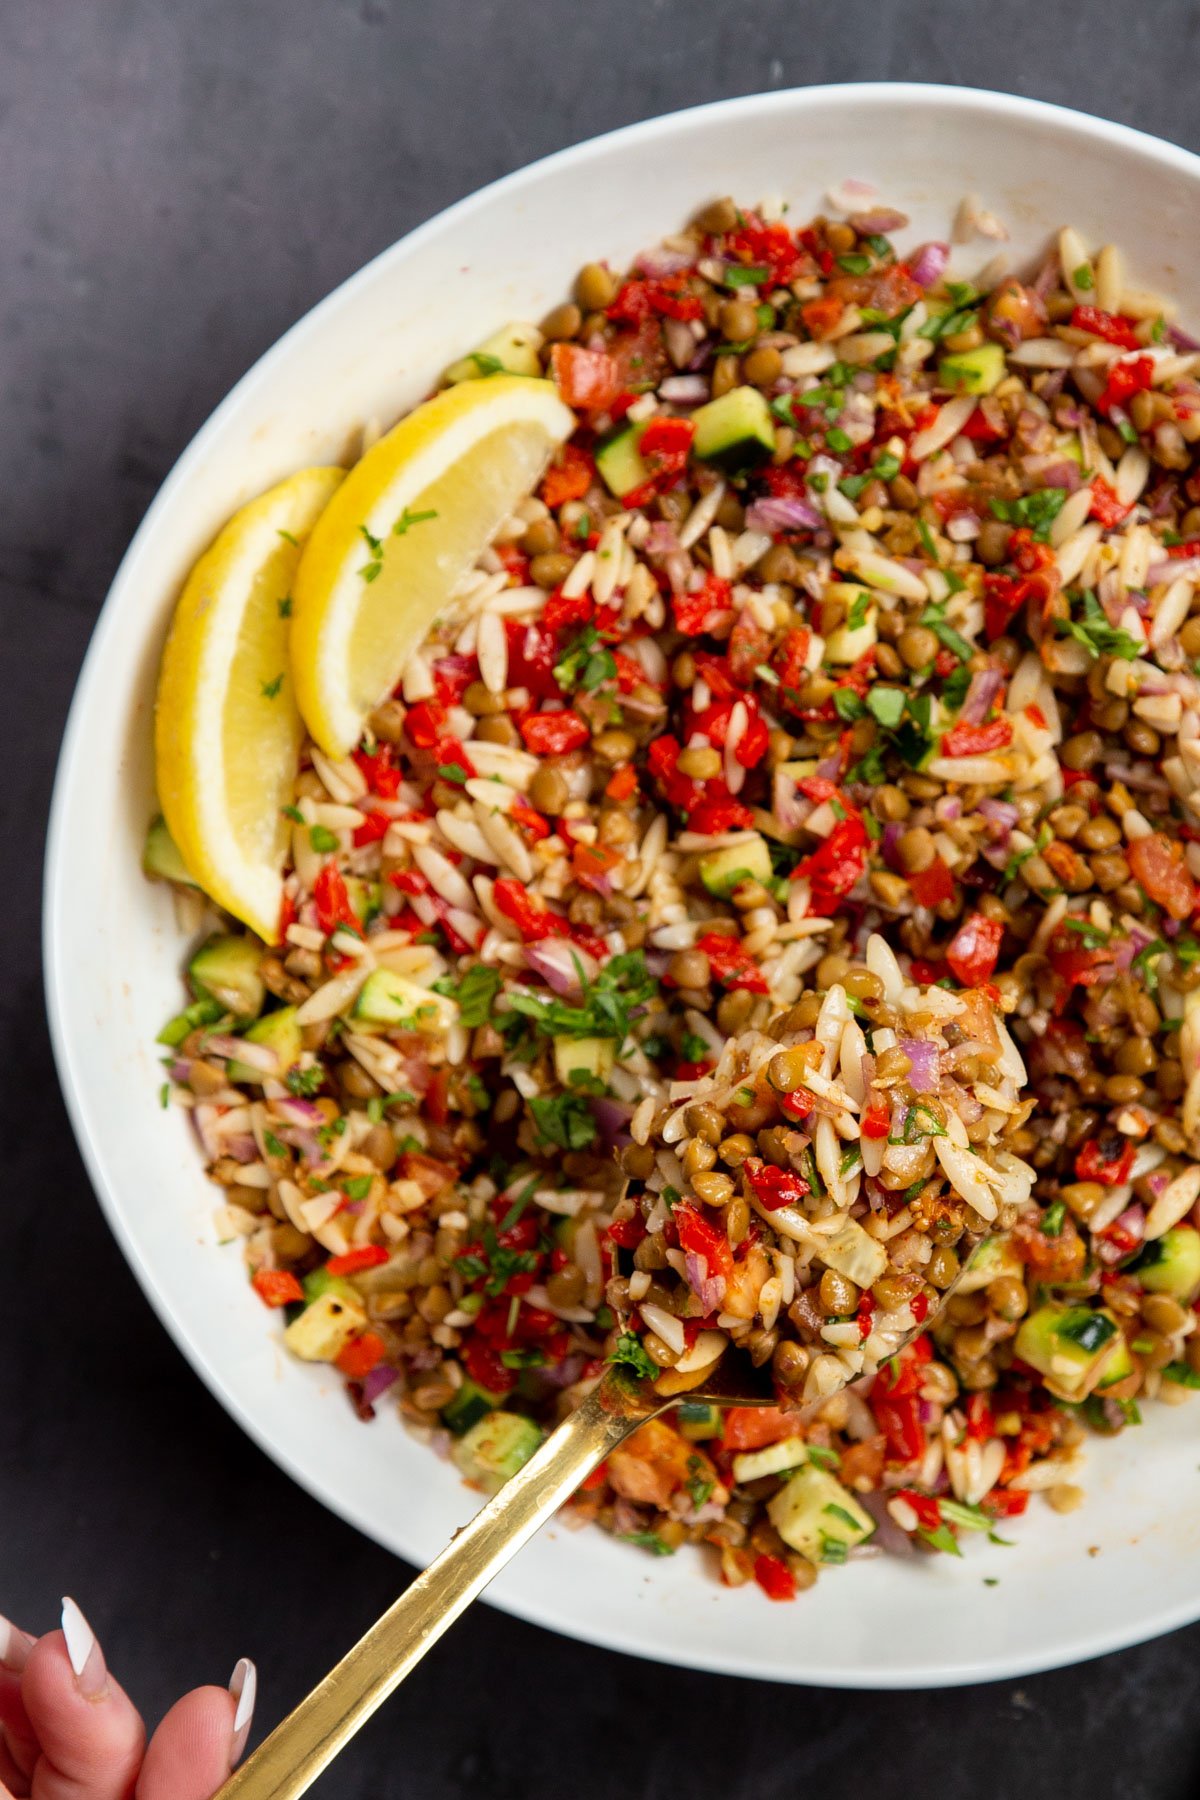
column 199, row 1741
column 18, row 1746
column 91, row 1734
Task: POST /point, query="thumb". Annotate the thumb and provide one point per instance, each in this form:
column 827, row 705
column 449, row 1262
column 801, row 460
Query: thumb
column 199, row 1741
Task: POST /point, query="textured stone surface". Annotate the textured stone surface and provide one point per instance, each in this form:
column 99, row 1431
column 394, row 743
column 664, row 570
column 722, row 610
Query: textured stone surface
column 181, row 179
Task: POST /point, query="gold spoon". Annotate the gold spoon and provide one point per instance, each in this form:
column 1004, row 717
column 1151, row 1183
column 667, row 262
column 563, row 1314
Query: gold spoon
column 302, row 1745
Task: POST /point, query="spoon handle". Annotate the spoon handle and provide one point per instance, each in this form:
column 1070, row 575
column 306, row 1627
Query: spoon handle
column 306, row 1742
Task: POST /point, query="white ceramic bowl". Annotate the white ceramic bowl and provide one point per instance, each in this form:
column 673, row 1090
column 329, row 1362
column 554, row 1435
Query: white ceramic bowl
column 1122, row 1569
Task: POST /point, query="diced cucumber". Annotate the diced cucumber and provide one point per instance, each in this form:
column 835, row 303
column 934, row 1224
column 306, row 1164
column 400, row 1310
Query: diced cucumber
column 1117, row 1365
column 227, row 969
column 975, row 371
column 789, row 1453
column 1171, row 1264
column 324, row 1329
column 470, row 1404
column 847, row 643
column 279, row 1032
column 854, row 1253
column 722, row 870
column 513, row 350
column 814, row 1511
column 735, row 430
column 495, row 1448
column 698, row 1420
column 579, row 1058
column 160, row 855
column 200, row 1012
column 320, row 1281
column 386, row 998
column 993, row 1258
column 1069, row 1345
column 621, row 463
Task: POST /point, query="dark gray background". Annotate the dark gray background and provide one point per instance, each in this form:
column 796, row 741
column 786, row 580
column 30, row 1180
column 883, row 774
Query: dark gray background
column 179, row 180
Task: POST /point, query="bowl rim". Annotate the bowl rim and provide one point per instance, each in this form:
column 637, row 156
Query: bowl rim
column 923, row 96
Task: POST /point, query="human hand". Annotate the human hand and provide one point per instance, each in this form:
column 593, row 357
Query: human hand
column 69, row 1732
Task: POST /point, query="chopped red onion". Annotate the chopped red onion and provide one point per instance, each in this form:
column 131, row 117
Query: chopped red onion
column 948, row 809
column 611, row 1116
column 1131, row 1223
column 881, row 218
column 1173, row 569
column 923, row 1075
column 179, row 1071
column 684, row 390
column 562, row 966
column 255, row 1056
column 241, row 1146
column 1001, row 813
column 782, row 514
column 1182, row 340
column 888, row 1534
column 981, row 696
column 787, row 803
column 964, row 527
column 300, row 1112
column 305, row 1142
column 889, row 845
column 927, row 265
column 377, row 1382
column 1059, row 473
column 661, row 261
column 708, row 1289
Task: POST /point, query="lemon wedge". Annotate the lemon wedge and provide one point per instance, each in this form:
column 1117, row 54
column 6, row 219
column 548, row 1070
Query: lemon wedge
column 410, row 520
column 227, row 730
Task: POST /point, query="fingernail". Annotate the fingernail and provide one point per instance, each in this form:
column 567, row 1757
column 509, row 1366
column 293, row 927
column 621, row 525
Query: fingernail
column 15, row 1646
column 87, row 1659
column 243, row 1685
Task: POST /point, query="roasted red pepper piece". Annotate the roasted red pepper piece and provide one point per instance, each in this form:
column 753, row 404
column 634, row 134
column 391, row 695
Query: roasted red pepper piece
column 974, row 949
column 1112, row 327
column 835, row 866
column 1125, row 379
column 554, row 733
column 532, row 919
column 362, row 1354
column 1158, row 863
column 774, row 1187
column 332, row 901
column 1107, row 1159
column 976, row 740
column 277, row 1287
column 698, row 612
column 732, row 966
column 363, row 1256
column 569, row 478
column 697, row 1234
column 774, row 1578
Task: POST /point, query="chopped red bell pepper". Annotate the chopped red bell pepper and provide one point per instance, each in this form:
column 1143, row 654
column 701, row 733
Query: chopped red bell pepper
column 976, row 740
column 788, row 661
column 900, row 1421
column 532, row 918
column 980, row 1423
column 712, row 817
column 373, row 828
column 554, row 733
column 1159, row 864
column 622, row 785
column 837, row 865
column 697, row 613
column 1005, row 1503
column 379, row 771
column 426, row 723
column 876, row 1121
column 563, row 610
column 362, row 1354
column 666, row 437
column 1106, row 504
column 1100, row 1160
column 363, row 1256
column 974, row 949
column 699, row 1235
column 333, row 902
column 732, row 966
column 276, row 1287
column 774, row 1578
column 1114, row 328
column 533, row 651
column 754, row 242
column 1125, row 379
column 529, row 819
column 774, row 1187
column 569, row 478
column 929, row 887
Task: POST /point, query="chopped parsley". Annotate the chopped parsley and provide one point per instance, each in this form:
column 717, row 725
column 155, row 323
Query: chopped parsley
column 164, row 1095
column 304, row 1083
column 587, row 663
column 855, row 264
column 940, row 1538
column 935, row 618
column 1037, row 511
column 271, row 688
column 322, row 839
column 887, row 705
column 607, row 1005
column 288, row 538
column 699, row 1483
column 630, row 1354
column 371, row 569
column 273, row 1145
column 475, row 994
column 408, row 519
column 564, row 1120
column 285, row 607
column 1093, row 937
column 357, row 1187
column 858, row 611
column 1054, row 1218
column 649, row 1540
column 837, row 440
column 745, row 275
column 1095, row 633
column 1083, row 278
column 693, row 1048
column 486, row 363
column 453, row 772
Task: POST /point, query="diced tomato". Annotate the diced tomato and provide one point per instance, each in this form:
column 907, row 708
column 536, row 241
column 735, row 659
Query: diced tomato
column 697, row 613
column 876, row 1121
column 1159, row 865
column 929, row 887
column 732, row 966
column 666, row 295
column 569, row 478
column 666, row 437
column 1106, row 505
column 623, row 784
column 754, row 1427
column 698, row 1234
column 554, row 733
column 362, row 1354
column 277, row 1287
column 531, row 917
column 1112, row 327
column 1107, row 1159
column 974, row 949
column 980, row 429
column 774, row 1578
column 712, row 817
column 774, row 1187
column 1125, row 379
column 976, row 740
column 587, row 379
column 822, row 316
column 1078, row 966
column 332, row 901
column 363, row 1256
column 788, row 661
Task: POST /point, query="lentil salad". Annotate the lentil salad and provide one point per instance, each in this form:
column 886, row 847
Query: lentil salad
column 850, row 583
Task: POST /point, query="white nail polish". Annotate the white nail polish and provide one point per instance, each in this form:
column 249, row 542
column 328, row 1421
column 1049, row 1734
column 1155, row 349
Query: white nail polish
column 243, row 1685
column 87, row 1661
column 15, row 1646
